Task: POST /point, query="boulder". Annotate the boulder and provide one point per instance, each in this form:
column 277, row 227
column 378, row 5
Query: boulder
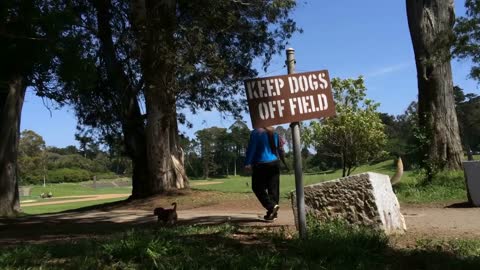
column 362, row 199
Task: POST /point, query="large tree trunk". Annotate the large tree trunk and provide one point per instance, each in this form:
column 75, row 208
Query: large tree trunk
column 430, row 23
column 132, row 121
column 155, row 24
column 11, row 102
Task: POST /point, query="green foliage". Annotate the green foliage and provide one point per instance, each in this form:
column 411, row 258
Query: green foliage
column 402, row 136
column 37, row 161
column 32, row 157
column 221, row 151
column 66, row 175
column 355, row 134
column 467, row 30
column 468, row 113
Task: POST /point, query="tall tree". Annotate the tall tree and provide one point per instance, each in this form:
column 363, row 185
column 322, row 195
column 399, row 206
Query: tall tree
column 431, row 23
column 195, row 54
column 27, row 31
column 32, row 158
column 209, row 139
column 164, row 55
column 240, row 134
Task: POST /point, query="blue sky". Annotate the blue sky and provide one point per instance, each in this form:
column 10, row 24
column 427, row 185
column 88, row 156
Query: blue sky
column 349, row 38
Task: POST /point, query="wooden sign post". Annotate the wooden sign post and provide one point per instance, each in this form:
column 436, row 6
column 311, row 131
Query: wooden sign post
column 290, row 99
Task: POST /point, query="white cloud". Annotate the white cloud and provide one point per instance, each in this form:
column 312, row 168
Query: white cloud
column 389, row 69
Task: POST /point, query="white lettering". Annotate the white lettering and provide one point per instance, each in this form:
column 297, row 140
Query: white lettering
column 293, row 83
column 260, row 88
column 279, row 84
column 293, row 106
column 325, row 102
column 306, row 108
column 299, row 102
column 250, row 91
column 303, row 84
column 312, row 104
column 312, row 81
column 320, row 102
column 281, row 107
column 263, row 110
column 272, row 108
column 269, row 87
column 323, row 81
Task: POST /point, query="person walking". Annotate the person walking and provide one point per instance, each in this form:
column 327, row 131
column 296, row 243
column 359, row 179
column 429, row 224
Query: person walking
column 264, row 150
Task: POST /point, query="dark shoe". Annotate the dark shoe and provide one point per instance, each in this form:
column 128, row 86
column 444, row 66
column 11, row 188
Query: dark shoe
column 272, row 214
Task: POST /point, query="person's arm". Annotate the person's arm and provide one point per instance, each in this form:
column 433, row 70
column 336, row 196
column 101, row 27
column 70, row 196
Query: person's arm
column 252, row 144
column 281, row 151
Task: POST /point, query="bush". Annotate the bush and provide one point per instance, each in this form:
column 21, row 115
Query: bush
column 68, row 175
column 105, row 176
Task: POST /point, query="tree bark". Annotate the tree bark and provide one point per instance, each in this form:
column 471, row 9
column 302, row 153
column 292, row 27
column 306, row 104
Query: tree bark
column 155, row 23
column 132, row 121
column 431, row 23
column 11, row 102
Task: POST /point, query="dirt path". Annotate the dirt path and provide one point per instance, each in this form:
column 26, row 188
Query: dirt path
column 422, row 221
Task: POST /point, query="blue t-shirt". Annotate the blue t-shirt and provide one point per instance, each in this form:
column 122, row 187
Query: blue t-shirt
column 258, row 150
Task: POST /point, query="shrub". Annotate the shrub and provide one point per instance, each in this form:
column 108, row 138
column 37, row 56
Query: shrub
column 68, row 175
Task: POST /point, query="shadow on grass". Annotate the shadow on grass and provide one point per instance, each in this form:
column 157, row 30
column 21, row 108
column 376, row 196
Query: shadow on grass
column 232, row 247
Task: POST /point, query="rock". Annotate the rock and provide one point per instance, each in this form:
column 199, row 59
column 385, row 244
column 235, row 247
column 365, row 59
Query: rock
column 471, row 170
column 362, row 199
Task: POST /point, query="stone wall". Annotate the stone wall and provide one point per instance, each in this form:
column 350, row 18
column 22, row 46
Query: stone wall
column 363, row 199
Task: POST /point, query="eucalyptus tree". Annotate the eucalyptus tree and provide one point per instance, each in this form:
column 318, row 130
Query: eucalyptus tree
column 431, row 23
column 129, row 67
column 28, row 30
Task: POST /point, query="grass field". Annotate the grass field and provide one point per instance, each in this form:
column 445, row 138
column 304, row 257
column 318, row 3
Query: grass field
column 444, row 187
column 54, row 208
column 287, row 181
column 328, row 246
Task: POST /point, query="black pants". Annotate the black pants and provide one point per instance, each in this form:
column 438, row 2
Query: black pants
column 265, row 183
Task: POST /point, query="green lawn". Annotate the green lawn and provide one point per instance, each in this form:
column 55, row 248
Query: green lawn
column 73, row 189
column 287, row 181
column 328, row 246
column 54, row 208
column 445, row 187
column 69, row 189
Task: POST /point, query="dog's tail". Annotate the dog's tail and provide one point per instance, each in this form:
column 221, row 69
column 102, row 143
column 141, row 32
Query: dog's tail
column 174, row 206
column 398, row 173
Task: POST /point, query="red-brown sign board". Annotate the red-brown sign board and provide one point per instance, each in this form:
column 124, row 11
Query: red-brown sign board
column 289, row 98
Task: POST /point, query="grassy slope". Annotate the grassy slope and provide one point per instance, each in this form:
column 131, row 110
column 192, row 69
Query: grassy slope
column 287, row 181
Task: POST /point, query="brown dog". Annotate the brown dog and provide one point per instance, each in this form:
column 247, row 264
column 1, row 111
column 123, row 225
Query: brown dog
column 166, row 216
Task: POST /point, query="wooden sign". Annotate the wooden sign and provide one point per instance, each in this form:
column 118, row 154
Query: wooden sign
column 289, row 98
